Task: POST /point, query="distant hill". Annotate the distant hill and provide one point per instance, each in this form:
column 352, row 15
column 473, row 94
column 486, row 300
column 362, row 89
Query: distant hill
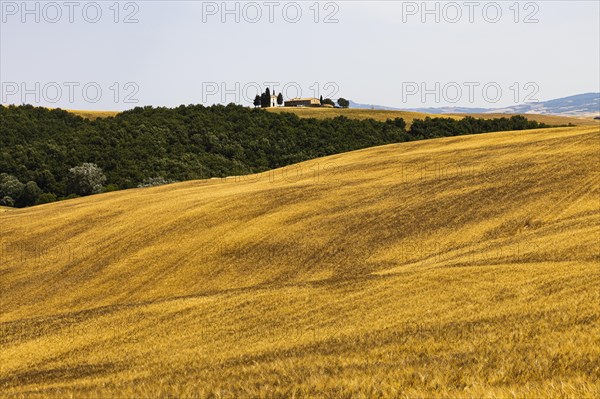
column 372, row 106
column 580, row 105
column 455, row 110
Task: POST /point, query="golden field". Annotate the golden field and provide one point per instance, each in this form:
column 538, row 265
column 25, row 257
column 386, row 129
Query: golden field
column 353, row 113
column 90, row 114
column 555, row 120
column 463, row 267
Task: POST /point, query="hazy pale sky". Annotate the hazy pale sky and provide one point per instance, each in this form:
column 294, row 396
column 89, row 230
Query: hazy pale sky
column 108, row 55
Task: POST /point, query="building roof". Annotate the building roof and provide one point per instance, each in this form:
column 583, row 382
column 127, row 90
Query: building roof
column 304, row 99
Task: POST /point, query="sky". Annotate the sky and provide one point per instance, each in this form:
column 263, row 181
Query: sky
column 109, row 55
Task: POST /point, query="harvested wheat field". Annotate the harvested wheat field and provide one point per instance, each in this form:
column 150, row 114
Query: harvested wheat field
column 88, row 114
column 554, row 120
column 353, row 113
column 463, row 267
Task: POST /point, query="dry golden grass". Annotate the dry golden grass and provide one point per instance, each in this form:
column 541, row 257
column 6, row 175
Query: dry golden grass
column 93, row 114
column 378, row 115
column 352, row 113
column 554, row 120
column 463, row 267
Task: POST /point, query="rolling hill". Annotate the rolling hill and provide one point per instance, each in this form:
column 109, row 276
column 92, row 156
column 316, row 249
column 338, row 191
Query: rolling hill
column 581, row 105
column 456, row 267
column 383, row 115
column 409, row 116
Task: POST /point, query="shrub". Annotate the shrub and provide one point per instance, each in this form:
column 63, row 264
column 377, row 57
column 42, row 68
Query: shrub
column 30, row 194
column 342, row 102
column 70, row 196
column 86, row 179
column 155, row 181
column 110, row 187
column 46, row 198
column 10, row 186
column 7, row 201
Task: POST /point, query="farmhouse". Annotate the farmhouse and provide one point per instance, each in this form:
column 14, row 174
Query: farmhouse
column 303, row 102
